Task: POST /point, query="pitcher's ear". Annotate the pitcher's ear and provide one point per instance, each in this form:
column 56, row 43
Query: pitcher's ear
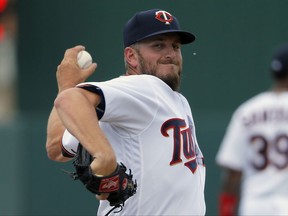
column 131, row 56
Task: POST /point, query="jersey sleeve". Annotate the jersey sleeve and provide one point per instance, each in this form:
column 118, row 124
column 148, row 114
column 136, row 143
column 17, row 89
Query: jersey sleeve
column 69, row 144
column 126, row 97
column 232, row 149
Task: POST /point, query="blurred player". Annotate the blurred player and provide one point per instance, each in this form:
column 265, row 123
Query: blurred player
column 254, row 151
column 139, row 119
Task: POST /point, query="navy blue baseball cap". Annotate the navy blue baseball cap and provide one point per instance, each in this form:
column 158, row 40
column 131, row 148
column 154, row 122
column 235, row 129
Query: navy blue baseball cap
column 145, row 24
column 279, row 63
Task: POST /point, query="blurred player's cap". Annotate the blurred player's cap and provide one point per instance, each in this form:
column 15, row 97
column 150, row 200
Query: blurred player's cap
column 150, row 23
column 279, row 64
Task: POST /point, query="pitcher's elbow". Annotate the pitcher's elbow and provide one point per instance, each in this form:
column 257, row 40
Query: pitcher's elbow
column 64, row 98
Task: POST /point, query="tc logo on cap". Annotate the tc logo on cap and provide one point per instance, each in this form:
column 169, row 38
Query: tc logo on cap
column 164, row 16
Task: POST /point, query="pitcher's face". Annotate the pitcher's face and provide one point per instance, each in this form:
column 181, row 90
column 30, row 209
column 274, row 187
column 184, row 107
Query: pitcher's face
column 161, row 56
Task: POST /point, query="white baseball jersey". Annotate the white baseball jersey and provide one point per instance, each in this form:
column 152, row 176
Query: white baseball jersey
column 152, row 131
column 256, row 143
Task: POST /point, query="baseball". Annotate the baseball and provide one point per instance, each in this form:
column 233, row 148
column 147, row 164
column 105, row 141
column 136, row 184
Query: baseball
column 84, row 59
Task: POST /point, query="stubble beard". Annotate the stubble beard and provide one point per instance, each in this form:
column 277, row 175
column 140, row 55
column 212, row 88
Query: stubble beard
column 171, row 79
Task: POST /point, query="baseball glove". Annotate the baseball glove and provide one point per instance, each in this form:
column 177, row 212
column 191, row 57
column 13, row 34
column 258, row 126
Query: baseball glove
column 119, row 184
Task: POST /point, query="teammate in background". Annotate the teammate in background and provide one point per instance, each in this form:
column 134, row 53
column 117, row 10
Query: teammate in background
column 254, row 151
column 142, row 120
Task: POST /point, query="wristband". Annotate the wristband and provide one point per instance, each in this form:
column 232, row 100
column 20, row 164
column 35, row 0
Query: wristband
column 227, row 204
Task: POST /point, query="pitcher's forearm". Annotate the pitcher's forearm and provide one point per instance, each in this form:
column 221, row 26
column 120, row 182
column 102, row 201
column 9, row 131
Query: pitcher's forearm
column 77, row 112
column 55, row 130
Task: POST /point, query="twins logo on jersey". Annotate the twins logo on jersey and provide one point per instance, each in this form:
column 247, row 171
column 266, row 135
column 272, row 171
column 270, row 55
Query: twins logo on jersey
column 183, row 140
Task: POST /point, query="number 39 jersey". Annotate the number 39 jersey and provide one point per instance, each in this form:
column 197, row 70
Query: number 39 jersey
column 256, row 143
